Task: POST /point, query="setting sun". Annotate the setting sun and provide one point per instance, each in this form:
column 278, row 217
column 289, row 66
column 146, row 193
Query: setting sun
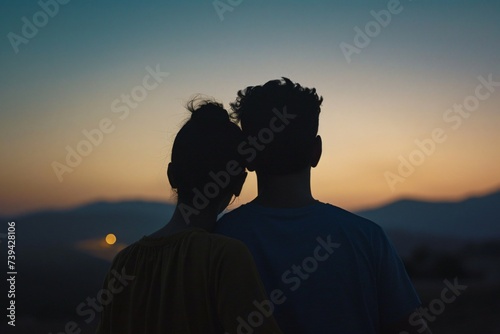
column 110, row 239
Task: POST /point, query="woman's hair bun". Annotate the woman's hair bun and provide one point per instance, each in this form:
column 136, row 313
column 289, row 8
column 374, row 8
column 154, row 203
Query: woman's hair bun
column 206, row 110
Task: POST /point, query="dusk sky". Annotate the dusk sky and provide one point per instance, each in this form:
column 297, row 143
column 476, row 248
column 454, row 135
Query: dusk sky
column 421, row 72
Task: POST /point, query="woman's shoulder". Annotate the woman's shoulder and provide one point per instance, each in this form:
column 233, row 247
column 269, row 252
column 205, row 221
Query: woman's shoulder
column 226, row 247
column 225, row 241
column 216, row 244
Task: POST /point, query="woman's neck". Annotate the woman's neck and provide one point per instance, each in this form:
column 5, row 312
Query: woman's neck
column 183, row 219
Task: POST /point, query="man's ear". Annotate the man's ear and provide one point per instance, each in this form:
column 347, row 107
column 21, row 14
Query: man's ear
column 316, row 152
column 172, row 175
column 238, row 183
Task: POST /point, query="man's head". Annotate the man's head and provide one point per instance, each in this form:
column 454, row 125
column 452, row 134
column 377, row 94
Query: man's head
column 295, row 145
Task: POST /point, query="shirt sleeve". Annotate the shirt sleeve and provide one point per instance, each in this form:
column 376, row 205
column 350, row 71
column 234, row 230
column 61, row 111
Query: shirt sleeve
column 396, row 294
column 241, row 301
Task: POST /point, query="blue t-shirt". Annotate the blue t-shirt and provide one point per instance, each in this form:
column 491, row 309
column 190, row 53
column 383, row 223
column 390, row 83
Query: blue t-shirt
column 325, row 269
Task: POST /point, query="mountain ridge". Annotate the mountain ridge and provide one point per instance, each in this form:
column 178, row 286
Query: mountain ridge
column 472, row 218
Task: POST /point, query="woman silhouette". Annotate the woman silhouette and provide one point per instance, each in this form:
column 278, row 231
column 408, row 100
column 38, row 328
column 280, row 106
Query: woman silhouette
column 184, row 279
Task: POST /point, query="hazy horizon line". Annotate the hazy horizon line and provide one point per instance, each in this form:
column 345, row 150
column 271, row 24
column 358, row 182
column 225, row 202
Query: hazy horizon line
column 467, row 196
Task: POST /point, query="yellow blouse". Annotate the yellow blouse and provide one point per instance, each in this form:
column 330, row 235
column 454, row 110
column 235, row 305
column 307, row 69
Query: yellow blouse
column 189, row 282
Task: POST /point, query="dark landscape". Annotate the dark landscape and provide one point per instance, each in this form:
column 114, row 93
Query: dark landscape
column 62, row 258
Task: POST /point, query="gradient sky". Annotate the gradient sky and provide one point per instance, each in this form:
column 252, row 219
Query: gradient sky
column 393, row 92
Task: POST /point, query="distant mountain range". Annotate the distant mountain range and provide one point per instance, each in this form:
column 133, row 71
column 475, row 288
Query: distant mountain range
column 473, row 218
column 56, row 274
column 444, row 226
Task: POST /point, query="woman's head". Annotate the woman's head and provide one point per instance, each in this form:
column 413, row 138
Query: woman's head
column 206, row 168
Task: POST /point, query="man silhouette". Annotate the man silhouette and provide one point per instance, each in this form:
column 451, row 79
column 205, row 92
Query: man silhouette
column 325, row 269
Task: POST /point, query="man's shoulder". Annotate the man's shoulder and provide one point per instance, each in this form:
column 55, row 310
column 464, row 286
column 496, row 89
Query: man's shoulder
column 243, row 209
column 320, row 213
column 349, row 217
column 229, row 218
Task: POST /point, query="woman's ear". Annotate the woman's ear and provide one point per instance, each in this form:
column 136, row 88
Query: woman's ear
column 238, row 183
column 316, row 152
column 172, row 175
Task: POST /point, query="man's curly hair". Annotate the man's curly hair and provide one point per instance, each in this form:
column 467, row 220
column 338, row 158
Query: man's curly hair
column 291, row 148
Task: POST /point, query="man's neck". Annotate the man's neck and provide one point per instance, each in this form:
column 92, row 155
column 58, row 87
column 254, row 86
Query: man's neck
column 285, row 191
